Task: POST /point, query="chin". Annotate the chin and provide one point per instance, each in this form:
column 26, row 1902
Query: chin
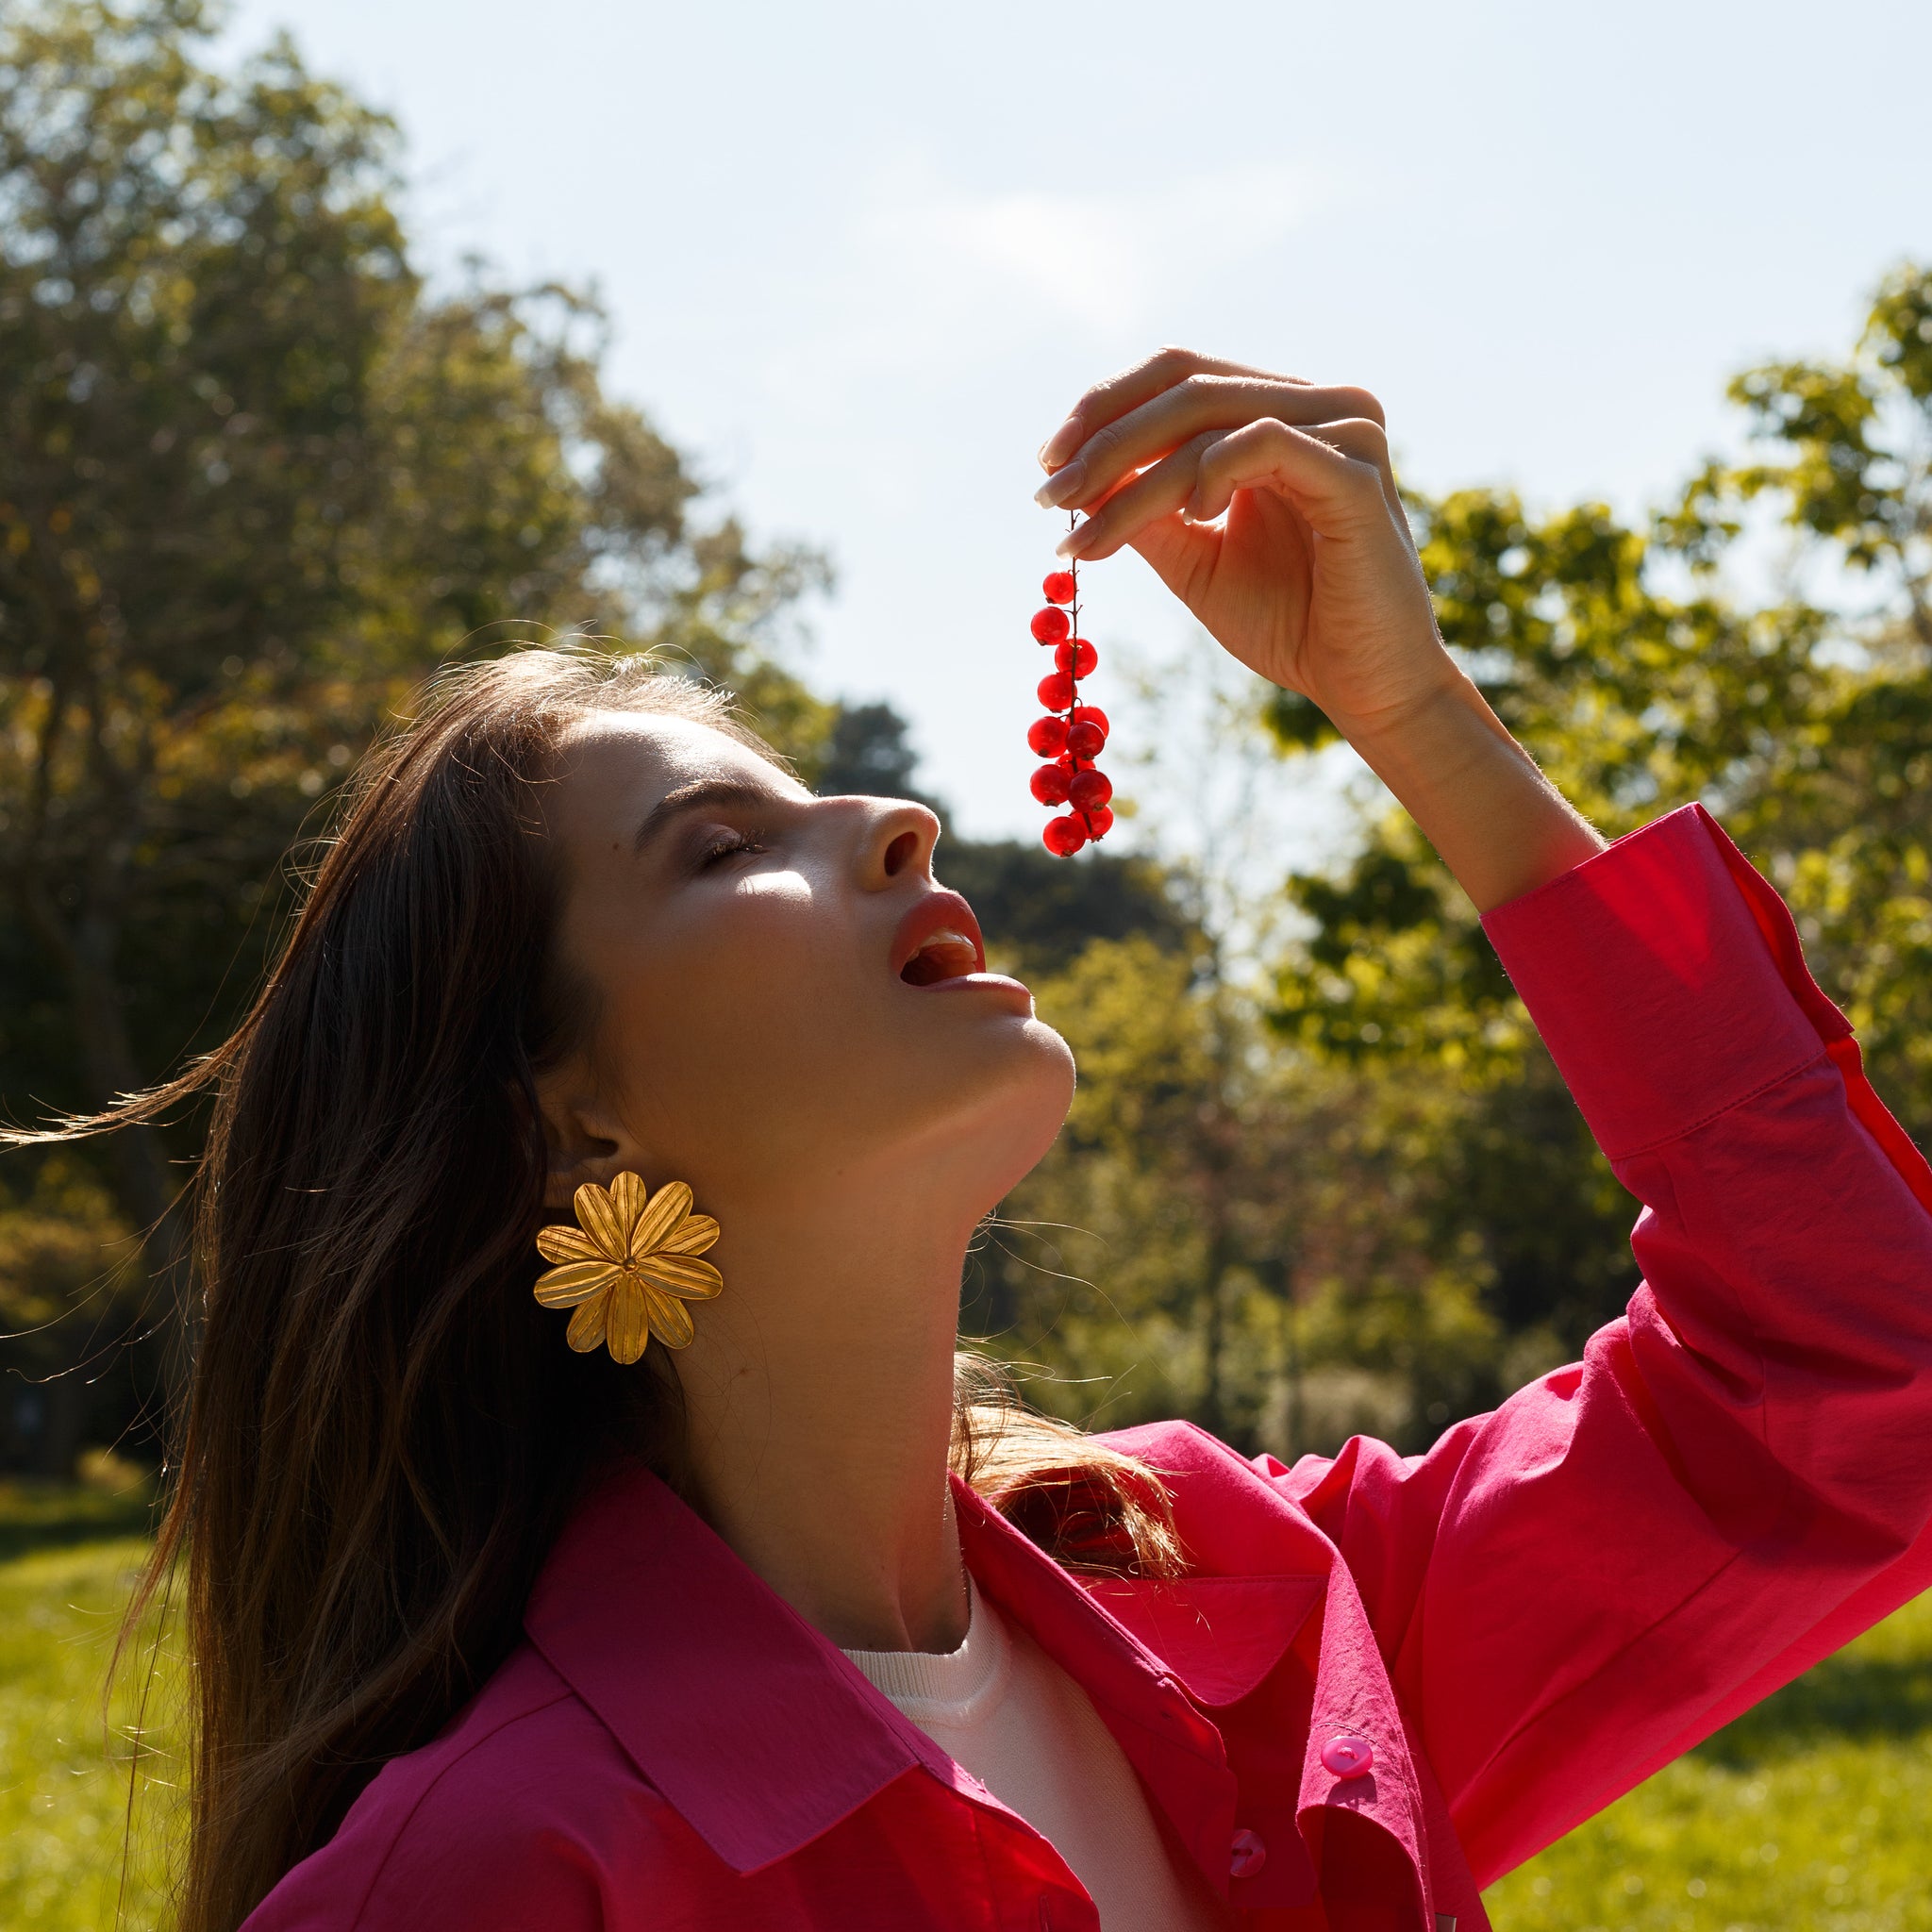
column 961, row 1104
column 1004, row 1112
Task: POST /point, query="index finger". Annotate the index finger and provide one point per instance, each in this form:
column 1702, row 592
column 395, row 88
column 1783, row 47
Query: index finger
column 1117, row 395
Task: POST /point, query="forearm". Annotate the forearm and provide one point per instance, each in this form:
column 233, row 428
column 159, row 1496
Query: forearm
column 1625, row 1555
column 1499, row 824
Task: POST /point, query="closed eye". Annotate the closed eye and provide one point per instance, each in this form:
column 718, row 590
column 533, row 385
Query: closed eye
column 729, row 845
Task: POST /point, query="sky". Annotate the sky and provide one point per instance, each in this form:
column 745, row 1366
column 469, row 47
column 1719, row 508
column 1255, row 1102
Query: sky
column 861, row 258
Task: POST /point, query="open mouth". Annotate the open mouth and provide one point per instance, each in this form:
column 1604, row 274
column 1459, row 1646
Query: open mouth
column 938, row 942
column 947, row 953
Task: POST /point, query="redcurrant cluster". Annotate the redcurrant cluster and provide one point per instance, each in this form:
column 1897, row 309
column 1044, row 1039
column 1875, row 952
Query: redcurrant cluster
column 1072, row 734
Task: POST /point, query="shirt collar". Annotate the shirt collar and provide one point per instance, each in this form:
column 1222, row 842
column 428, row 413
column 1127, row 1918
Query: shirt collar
column 756, row 1729
column 763, row 1734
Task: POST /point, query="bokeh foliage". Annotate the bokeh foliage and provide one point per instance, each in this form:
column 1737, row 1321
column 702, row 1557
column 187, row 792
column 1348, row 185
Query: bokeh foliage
column 1638, row 669
column 259, row 478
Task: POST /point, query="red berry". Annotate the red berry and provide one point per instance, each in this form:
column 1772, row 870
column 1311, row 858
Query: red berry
column 1089, row 790
column 1086, row 738
column 1047, row 735
column 1059, row 587
column 1099, row 822
column 1056, row 691
column 1063, row 836
column 1076, row 655
column 1091, row 714
column 1051, row 626
column 1052, row 784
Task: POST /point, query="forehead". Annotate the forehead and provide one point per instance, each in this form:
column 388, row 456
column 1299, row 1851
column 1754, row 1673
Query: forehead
column 627, row 762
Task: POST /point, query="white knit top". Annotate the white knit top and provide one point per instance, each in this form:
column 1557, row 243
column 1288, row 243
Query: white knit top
column 1000, row 1707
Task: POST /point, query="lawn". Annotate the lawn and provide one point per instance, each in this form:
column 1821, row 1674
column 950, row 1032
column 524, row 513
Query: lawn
column 67, row 1560
column 1813, row 1813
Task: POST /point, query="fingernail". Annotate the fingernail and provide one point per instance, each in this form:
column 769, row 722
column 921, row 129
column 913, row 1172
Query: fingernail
column 1062, row 487
column 1061, row 443
column 1076, row 542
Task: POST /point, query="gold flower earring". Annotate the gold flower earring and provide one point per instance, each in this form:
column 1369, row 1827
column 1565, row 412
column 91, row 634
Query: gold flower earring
column 630, row 1267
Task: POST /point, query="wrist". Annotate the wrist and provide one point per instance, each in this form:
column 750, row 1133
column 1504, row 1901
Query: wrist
column 1443, row 700
column 1479, row 799
column 1422, row 690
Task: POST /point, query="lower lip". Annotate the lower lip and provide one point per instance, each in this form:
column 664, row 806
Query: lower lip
column 986, row 981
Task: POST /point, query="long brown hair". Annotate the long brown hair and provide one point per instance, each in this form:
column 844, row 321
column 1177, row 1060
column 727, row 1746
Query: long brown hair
column 382, row 1437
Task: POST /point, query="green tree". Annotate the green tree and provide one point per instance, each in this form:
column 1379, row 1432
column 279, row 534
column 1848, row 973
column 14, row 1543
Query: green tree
column 1844, row 816
column 1111, row 1263
column 255, row 480
column 67, row 1303
column 1230, row 1226
column 1639, row 680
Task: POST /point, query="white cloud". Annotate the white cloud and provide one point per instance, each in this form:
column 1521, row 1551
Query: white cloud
column 1099, row 259
column 922, row 269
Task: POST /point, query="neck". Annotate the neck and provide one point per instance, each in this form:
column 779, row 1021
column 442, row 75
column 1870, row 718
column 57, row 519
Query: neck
column 819, row 1405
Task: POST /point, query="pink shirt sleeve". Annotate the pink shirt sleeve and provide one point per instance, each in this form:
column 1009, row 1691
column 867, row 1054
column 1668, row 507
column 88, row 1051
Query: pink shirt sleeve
column 1735, row 1480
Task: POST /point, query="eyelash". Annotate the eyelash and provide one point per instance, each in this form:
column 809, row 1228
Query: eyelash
column 730, row 845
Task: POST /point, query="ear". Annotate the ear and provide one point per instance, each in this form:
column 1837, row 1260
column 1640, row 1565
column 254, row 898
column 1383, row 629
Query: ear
column 585, row 1140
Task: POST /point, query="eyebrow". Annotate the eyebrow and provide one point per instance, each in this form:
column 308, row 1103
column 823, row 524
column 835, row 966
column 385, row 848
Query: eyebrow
column 696, row 796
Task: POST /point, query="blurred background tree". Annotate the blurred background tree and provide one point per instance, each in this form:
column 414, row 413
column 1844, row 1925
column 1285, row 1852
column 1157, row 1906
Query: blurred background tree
column 257, row 479
column 1228, row 1228
column 1635, row 668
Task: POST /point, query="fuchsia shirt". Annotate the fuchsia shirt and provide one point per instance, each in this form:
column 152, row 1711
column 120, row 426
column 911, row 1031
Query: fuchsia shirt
column 1521, row 1624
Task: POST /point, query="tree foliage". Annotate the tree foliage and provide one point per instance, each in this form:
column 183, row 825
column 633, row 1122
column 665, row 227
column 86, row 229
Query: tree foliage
column 1626, row 660
column 257, row 479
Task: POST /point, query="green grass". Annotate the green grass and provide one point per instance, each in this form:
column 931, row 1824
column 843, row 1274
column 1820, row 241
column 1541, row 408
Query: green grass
column 42, row 1516
column 63, row 1787
column 1813, row 1813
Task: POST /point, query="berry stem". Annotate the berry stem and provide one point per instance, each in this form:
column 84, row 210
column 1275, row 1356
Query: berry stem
column 1073, row 668
column 1074, row 612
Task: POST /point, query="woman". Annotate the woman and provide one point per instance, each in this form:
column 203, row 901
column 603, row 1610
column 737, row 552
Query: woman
column 494, row 1631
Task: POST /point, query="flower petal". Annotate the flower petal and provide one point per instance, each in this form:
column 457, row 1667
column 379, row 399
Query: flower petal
column 681, row 1274
column 698, row 1232
column 568, row 1244
column 671, row 1320
column 627, row 1200
column 628, row 1322
column 586, row 1330
column 575, row 1282
column 600, row 1220
column 659, row 1221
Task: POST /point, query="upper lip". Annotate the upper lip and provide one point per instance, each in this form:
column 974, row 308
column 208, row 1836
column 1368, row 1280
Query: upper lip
column 937, row 912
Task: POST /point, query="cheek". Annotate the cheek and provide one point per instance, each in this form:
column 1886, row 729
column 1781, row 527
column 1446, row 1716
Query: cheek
column 739, row 1023
column 771, row 1036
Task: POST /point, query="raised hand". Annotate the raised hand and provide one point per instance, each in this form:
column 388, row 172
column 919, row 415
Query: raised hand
column 1312, row 578
column 1268, row 506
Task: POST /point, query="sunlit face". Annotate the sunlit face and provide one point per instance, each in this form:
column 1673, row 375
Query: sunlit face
column 785, row 1000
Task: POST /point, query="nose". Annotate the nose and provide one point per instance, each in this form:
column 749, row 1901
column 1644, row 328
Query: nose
column 896, row 842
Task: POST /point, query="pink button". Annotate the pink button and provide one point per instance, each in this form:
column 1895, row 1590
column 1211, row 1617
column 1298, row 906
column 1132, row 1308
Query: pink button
column 1348, row 1757
column 1246, row 1854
